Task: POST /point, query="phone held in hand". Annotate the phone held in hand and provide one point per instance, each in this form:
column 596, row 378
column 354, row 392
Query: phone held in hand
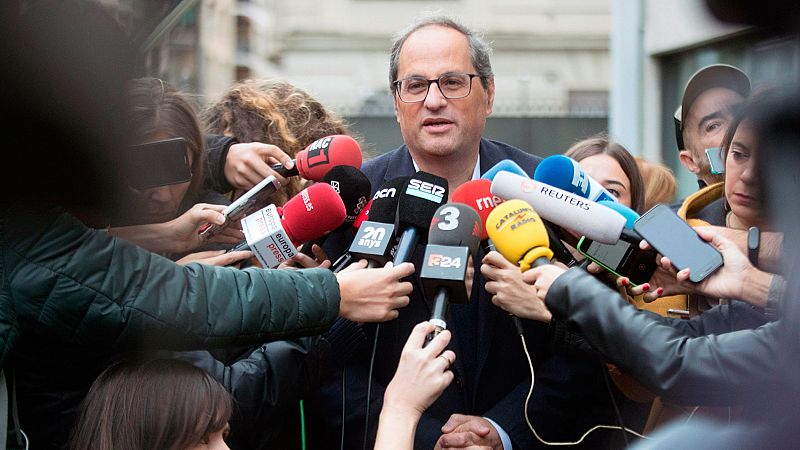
column 621, row 259
column 674, row 238
column 158, row 163
column 252, row 201
column 715, row 161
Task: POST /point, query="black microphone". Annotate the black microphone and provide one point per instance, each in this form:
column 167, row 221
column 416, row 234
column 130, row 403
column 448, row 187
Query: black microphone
column 353, row 187
column 375, row 238
column 418, row 201
column 454, row 236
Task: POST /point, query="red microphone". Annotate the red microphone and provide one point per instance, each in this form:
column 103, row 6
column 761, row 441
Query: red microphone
column 322, row 155
column 313, row 213
column 362, row 216
column 477, row 195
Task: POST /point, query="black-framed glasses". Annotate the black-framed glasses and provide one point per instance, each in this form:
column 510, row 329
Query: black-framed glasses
column 451, row 85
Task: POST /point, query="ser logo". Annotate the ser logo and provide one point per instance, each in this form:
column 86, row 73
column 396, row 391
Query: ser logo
column 445, row 262
column 426, row 190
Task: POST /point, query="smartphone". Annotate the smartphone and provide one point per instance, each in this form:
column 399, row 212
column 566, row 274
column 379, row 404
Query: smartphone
column 622, row 259
column 675, row 239
column 159, row 163
column 252, row 200
column 715, row 161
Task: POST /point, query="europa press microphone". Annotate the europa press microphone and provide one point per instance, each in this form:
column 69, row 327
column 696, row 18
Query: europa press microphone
column 565, row 173
column 312, row 163
column 416, row 205
column 375, row 237
column 520, row 236
column 453, row 240
column 314, row 212
column 354, row 188
column 595, row 221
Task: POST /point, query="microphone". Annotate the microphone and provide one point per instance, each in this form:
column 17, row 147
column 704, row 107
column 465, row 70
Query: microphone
column 454, row 235
column 353, row 187
column 416, row 205
column 565, row 173
column 375, row 238
column 629, row 214
column 477, row 195
column 363, row 215
column 321, row 156
column 480, row 200
column 562, row 208
column 521, row 237
column 519, row 234
column 315, row 211
column 505, row 165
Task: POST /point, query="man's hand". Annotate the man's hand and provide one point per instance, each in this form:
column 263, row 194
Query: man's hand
column 248, row 164
column 215, row 258
column 509, row 289
column 373, row 295
column 183, row 229
column 472, row 432
column 302, row 261
column 728, row 281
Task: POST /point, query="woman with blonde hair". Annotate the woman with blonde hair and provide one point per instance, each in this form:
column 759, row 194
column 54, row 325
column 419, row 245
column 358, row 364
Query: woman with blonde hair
column 659, row 183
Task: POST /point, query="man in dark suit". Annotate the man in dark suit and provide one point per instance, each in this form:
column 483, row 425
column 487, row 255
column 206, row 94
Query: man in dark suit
column 443, row 90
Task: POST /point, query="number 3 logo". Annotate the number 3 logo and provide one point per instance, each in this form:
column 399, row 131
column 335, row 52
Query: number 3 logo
column 449, row 216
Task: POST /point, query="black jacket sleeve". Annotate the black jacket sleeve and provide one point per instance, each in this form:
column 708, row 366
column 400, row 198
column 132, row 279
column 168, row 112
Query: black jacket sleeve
column 685, row 367
column 267, row 383
column 216, row 152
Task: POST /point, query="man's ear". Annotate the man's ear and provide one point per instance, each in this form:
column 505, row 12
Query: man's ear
column 489, row 95
column 688, row 162
column 396, row 113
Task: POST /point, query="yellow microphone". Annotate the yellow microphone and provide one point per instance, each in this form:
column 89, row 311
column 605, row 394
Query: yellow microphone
column 519, row 234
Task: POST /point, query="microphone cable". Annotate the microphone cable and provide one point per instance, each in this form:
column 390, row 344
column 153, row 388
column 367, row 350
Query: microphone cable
column 535, row 434
column 344, row 404
column 369, row 384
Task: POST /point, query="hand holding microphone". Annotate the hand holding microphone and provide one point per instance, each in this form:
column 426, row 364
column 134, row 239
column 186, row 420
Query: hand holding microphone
column 520, row 236
column 423, row 373
column 373, row 295
column 246, row 164
column 314, row 212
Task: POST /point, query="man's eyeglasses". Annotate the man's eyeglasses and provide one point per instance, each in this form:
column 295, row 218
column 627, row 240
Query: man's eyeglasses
column 451, row 85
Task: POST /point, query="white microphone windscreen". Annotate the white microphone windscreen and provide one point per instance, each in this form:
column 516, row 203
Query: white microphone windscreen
column 595, row 221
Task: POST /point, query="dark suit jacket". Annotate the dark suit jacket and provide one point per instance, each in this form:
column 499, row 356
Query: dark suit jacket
column 492, row 375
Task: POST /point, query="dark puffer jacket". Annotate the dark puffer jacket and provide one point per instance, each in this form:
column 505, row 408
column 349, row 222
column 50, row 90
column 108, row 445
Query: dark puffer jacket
column 72, row 297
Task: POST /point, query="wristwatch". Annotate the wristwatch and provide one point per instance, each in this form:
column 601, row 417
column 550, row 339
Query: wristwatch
column 753, row 244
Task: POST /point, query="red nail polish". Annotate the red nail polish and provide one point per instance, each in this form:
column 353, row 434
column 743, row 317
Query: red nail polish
column 646, row 287
column 624, row 281
column 660, row 291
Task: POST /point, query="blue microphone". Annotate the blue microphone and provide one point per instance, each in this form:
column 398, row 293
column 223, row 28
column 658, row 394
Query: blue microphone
column 505, row 165
column 629, row 214
column 566, row 174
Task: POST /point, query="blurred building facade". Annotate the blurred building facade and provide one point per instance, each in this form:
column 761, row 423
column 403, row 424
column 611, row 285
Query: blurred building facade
column 551, row 58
